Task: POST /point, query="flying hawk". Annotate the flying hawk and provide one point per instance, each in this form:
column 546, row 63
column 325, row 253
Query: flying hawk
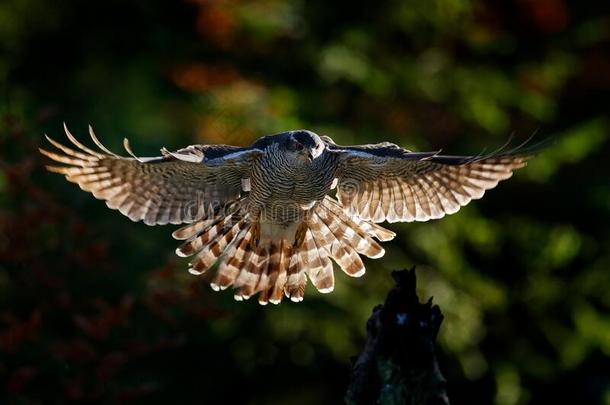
column 263, row 213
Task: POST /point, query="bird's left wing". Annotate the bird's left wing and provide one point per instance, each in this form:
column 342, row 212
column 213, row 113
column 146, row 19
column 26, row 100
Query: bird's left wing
column 382, row 182
column 177, row 187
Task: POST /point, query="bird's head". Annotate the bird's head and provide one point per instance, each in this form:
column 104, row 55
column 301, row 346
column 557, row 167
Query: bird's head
column 304, row 145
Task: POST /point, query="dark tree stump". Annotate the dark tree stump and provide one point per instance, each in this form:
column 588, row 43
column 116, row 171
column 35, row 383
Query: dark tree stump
column 398, row 364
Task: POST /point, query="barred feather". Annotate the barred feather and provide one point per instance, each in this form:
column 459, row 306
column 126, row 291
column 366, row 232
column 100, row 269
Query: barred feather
column 295, row 278
column 320, row 270
column 250, row 275
column 279, row 266
column 349, row 229
column 173, row 188
column 386, row 183
column 232, row 261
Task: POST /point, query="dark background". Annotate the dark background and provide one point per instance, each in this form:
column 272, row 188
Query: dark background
column 95, row 308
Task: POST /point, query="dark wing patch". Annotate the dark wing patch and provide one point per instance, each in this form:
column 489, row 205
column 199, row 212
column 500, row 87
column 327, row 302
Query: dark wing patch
column 212, row 152
column 178, row 187
column 382, row 149
column 266, row 141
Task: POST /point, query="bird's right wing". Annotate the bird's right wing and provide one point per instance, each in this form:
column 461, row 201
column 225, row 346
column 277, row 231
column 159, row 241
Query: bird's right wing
column 178, row 187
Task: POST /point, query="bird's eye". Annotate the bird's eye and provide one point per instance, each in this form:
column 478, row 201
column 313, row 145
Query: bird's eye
column 298, row 146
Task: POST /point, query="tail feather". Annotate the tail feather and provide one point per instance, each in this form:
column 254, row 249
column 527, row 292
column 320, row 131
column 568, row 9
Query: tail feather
column 341, row 249
column 189, row 231
column 278, row 268
column 310, row 260
column 273, row 278
column 232, row 261
column 238, row 264
column 345, row 229
column 320, row 231
column 210, row 232
column 249, row 277
column 348, row 259
column 321, row 276
column 370, row 228
column 295, row 278
column 263, row 279
column 212, row 251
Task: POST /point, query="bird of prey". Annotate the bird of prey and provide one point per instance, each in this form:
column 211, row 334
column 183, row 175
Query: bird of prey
column 261, row 218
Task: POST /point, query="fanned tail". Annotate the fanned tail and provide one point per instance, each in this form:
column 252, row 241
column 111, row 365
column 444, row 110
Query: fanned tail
column 278, row 263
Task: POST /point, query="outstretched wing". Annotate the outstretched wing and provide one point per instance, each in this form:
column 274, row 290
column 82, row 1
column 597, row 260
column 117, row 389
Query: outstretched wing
column 178, row 187
column 385, row 182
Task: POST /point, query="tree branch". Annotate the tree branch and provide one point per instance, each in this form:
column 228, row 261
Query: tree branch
column 398, row 364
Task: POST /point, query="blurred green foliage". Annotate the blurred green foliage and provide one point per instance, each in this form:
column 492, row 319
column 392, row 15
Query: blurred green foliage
column 96, row 308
